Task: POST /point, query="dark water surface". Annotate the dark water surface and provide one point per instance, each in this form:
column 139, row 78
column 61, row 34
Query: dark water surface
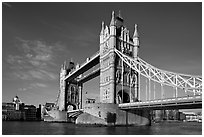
column 44, row 128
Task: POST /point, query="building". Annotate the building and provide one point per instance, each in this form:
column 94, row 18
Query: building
column 17, row 102
column 116, row 78
column 30, row 112
column 90, row 100
column 16, row 110
column 9, row 112
column 193, row 117
column 38, row 113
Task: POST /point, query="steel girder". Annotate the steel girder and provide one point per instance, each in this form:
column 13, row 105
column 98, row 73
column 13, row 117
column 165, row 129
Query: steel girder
column 177, row 80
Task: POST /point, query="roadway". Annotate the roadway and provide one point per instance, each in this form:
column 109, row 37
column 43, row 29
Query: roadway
column 171, row 103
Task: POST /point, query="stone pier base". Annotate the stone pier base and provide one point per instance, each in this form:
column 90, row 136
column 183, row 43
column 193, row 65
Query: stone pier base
column 110, row 114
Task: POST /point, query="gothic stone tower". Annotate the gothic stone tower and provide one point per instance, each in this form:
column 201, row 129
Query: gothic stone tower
column 61, row 96
column 118, row 82
column 68, row 98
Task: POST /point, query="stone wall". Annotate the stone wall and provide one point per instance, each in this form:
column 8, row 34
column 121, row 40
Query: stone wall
column 56, row 116
column 110, row 114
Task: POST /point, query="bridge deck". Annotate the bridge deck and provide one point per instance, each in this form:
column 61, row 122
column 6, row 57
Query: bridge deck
column 92, row 61
column 171, row 103
column 91, row 75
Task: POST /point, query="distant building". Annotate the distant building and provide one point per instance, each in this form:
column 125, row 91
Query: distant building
column 90, row 100
column 17, row 102
column 8, row 106
column 18, row 111
column 9, row 112
column 38, row 113
column 30, row 112
column 193, row 117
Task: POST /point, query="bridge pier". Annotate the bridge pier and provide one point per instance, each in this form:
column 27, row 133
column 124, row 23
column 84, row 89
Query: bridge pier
column 111, row 114
column 80, row 95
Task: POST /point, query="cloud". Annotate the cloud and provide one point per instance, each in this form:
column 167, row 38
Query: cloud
column 36, row 59
column 42, row 74
column 22, row 89
column 37, row 85
column 33, row 85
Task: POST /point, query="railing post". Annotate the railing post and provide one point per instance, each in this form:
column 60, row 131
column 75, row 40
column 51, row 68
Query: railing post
column 162, row 91
column 194, row 84
column 149, row 85
column 154, row 88
column 122, row 74
column 146, row 90
column 129, row 79
column 176, row 89
column 162, row 86
column 138, row 87
column 80, row 95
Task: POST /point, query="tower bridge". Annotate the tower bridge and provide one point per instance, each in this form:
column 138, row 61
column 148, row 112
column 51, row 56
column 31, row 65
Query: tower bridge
column 122, row 73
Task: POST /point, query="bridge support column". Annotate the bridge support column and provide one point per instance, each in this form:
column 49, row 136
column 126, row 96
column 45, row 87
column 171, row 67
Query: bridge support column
column 80, row 95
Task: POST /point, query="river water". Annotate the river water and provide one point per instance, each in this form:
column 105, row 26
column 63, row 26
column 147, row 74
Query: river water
column 45, row 128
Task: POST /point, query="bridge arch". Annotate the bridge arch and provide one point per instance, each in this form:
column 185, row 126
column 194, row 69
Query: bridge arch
column 123, row 97
column 71, row 107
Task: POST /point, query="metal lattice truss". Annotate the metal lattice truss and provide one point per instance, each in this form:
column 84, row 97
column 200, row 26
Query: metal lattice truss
column 186, row 82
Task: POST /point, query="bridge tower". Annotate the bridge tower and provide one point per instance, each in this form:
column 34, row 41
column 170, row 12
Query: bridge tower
column 118, row 82
column 61, row 98
column 68, row 98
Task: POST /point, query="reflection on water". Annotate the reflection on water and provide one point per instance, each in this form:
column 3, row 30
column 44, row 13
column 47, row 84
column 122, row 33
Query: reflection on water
column 44, row 128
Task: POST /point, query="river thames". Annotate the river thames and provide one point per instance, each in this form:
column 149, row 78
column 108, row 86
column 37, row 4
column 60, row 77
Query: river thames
column 45, row 128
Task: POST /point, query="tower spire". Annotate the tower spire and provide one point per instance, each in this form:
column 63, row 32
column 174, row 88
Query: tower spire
column 102, row 28
column 112, row 23
column 136, row 43
column 136, row 32
column 64, row 64
column 71, row 60
column 119, row 15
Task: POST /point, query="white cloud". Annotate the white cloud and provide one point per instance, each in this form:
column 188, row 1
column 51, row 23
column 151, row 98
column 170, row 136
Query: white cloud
column 36, row 59
column 22, row 89
column 37, row 85
column 33, row 85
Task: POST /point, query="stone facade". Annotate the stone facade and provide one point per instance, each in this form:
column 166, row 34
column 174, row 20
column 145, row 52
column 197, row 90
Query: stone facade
column 68, row 98
column 110, row 114
column 118, row 83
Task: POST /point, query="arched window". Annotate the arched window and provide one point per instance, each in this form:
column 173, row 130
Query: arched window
column 72, row 89
column 125, row 78
column 128, row 78
column 134, row 79
column 118, row 76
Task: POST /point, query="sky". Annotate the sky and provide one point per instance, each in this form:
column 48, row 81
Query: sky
column 38, row 37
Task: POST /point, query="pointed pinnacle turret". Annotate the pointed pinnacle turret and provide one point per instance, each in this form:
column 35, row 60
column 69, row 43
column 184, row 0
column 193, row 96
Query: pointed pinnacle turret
column 119, row 15
column 64, row 66
column 136, row 32
column 71, row 60
column 102, row 28
column 112, row 23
